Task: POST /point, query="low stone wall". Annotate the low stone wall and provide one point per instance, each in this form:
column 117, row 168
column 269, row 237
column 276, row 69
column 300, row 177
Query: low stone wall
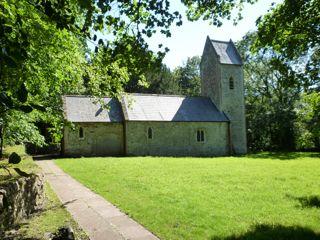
column 20, row 198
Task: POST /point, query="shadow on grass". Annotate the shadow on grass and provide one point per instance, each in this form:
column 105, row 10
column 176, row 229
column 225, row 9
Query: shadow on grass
column 308, row 201
column 22, row 173
column 275, row 232
column 46, row 157
column 13, row 234
column 56, row 207
column 283, row 155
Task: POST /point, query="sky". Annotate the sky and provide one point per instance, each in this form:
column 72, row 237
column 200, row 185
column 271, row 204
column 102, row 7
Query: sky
column 188, row 40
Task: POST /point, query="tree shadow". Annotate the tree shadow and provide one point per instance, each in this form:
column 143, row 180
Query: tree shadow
column 55, row 207
column 274, row 232
column 22, row 173
column 46, row 157
column 308, row 201
column 283, row 155
column 12, row 233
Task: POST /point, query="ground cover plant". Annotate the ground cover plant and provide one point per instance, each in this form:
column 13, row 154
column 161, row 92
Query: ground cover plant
column 9, row 172
column 53, row 215
column 261, row 196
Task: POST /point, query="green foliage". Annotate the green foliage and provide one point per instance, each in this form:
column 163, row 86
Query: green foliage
column 270, row 100
column 162, row 81
column 183, row 80
column 38, row 63
column 292, row 30
column 105, row 76
column 209, row 198
column 214, row 10
column 19, row 128
column 44, row 54
column 308, row 124
column 188, row 77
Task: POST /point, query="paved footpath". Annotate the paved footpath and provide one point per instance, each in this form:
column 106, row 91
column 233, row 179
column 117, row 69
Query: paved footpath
column 97, row 217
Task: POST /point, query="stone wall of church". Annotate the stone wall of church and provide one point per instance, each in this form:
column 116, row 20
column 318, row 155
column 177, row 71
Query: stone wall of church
column 177, row 138
column 98, row 139
column 233, row 105
column 210, row 74
column 215, row 81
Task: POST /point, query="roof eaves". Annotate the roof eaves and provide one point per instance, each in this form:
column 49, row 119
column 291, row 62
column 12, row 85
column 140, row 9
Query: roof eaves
column 228, row 119
column 194, row 121
column 234, row 64
column 94, row 122
column 218, row 41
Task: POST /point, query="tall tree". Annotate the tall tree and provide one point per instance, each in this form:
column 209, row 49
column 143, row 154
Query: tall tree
column 292, row 30
column 188, row 77
column 270, row 101
column 38, row 63
column 307, row 125
column 43, row 48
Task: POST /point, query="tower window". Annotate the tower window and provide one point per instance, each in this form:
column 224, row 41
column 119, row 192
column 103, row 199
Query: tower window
column 150, row 133
column 200, row 136
column 81, row 135
column 231, row 83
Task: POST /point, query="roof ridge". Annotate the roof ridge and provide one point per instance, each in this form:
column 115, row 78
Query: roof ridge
column 220, row 41
column 85, row 96
column 137, row 94
column 156, row 94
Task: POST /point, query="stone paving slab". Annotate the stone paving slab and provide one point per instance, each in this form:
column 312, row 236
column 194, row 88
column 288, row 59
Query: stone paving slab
column 96, row 216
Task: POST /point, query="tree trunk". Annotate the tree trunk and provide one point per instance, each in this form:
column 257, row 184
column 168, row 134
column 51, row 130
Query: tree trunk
column 1, row 140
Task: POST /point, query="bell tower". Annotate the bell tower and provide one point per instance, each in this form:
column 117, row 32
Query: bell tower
column 222, row 80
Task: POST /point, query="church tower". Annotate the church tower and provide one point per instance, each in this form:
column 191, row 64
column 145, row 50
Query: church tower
column 222, row 81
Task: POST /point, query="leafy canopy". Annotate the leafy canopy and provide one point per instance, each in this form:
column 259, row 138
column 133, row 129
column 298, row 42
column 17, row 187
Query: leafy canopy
column 44, row 54
column 292, row 29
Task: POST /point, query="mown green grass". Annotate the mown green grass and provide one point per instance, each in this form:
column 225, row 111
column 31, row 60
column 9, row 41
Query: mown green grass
column 262, row 196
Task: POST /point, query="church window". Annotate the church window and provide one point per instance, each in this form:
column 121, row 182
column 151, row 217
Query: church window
column 150, row 133
column 231, row 83
column 200, row 136
column 81, row 133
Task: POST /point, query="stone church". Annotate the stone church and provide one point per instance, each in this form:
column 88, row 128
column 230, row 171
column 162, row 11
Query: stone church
column 212, row 124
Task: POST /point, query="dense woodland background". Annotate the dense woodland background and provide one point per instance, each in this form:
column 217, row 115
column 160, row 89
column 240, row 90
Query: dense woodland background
column 44, row 55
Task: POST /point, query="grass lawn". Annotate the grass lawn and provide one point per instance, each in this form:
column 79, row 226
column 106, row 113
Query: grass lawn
column 261, row 196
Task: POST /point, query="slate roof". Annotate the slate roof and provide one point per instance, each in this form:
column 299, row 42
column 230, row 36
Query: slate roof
column 148, row 107
column 227, row 52
column 84, row 109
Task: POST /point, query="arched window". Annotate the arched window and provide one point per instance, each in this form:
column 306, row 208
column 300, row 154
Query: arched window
column 231, row 83
column 81, row 135
column 200, row 135
column 150, row 133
